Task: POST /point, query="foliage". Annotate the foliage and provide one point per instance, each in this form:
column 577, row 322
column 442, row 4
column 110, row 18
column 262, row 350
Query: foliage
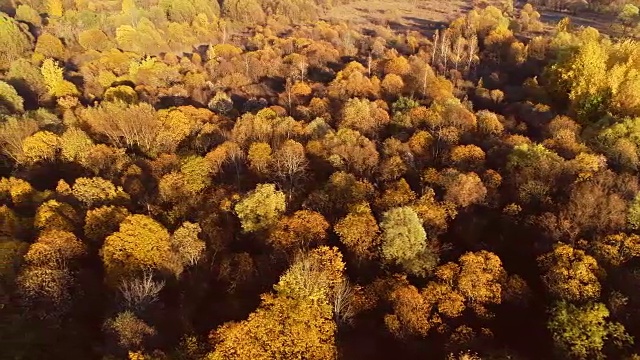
column 94, row 191
column 103, row 221
column 261, row 208
column 571, row 274
column 163, row 162
column 54, row 79
column 10, row 101
column 56, row 215
column 140, row 244
column 296, row 321
column 404, row 241
column 41, row 146
column 15, row 41
column 359, row 231
column 581, row 331
column 129, row 330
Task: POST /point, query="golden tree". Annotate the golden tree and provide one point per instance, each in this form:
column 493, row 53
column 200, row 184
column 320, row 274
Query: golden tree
column 571, row 274
column 141, row 244
column 55, row 249
column 93, row 191
column 300, row 231
column 41, row 146
column 55, row 215
column 49, row 46
column 359, row 231
column 103, row 221
column 296, row 321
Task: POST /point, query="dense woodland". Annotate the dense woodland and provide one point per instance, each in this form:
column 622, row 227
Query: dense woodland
column 186, row 180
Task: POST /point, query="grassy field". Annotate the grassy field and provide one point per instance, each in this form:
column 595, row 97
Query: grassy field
column 427, row 15
column 419, row 15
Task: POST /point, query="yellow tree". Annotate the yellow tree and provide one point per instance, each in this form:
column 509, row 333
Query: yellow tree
column 259, row 157
column 103, row 221
column 54, row 249
column 92, row 191
column 41, row 146
column 617, row 249
column 141, row 244
column 571, row 274
column 295, row 322
column 54, row 8
column 55, row 215
column 54, row 79
column 358, row 231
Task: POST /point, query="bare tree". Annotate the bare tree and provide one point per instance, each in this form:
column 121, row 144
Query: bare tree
column 436, row 37
column 444, row 48
column 290, row 163
column 12, row 134
column 457, row 55
column 342, row 299
column 140, row 292
column 472, row 47
column 302, row 67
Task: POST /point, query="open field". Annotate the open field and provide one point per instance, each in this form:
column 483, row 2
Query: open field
column 419, row 15
column 427, row 15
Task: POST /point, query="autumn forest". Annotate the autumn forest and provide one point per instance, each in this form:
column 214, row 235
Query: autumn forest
column 195, row 180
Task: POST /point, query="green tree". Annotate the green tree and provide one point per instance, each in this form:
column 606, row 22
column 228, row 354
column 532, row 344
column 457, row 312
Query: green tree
column 49, row 46
column 15, row 41
column 404, row 242
column 261, row 208
column 10, row 101
column 629, row 16
column 28, row 14
column 581, row 331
